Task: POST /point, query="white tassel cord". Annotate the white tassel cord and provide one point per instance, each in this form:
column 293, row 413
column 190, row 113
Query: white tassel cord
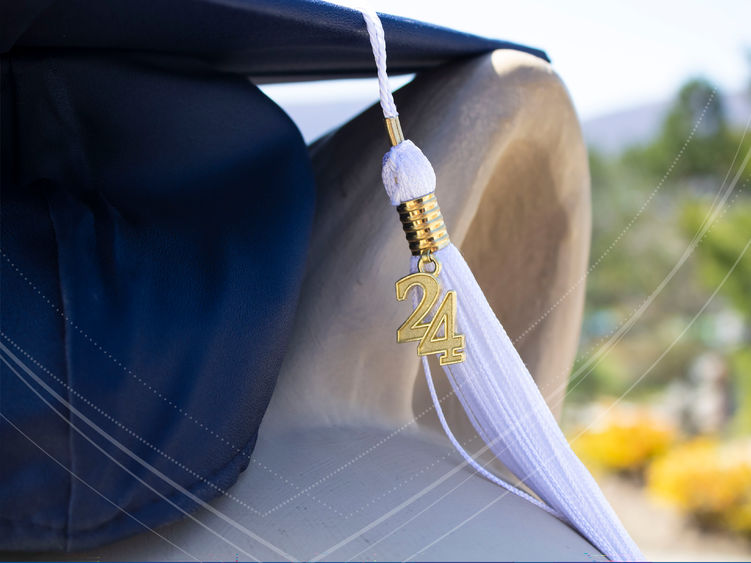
column 467, row 456
column 493, row 384
column 378, row 43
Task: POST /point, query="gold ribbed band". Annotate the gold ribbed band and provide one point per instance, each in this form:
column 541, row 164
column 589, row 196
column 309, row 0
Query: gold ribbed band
column 423, row 223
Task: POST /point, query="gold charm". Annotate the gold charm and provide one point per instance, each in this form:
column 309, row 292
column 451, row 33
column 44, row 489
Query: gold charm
column 449, row 345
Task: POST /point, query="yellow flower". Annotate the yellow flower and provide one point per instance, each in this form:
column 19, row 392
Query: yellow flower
column 708, row 480
column 623, row 438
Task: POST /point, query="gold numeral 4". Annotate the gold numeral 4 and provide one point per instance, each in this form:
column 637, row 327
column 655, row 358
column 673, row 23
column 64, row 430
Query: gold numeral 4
column 431, row 339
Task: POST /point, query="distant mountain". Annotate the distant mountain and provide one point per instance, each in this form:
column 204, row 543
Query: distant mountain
column 317, row 114
column 614, row 132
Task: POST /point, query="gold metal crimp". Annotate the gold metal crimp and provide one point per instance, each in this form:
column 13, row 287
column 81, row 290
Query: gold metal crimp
column 394, row 129
column 423, row 224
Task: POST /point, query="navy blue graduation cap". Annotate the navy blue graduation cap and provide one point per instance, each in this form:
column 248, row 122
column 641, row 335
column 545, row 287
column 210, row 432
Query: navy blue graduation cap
column 144, row 285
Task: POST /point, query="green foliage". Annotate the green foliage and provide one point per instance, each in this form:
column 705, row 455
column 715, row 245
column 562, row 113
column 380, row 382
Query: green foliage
column 607, row 377
column 741, row 373
column 648, row 204
column 718, row 252
column 696, row 128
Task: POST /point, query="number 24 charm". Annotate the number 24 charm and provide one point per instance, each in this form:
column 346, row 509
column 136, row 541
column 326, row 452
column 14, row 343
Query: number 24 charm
column 449, row 345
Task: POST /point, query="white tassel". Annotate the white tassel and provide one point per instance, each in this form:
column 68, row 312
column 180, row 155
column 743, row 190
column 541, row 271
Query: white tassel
column 492, row 383
column 499, row 395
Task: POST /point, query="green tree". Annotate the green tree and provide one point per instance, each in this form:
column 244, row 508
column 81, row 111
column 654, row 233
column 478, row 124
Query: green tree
column 639, row 231
column 724, row 255
column 695, row 127
column 722, row 247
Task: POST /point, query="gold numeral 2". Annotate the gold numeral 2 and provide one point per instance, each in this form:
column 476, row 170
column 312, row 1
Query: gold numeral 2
column 415, row 329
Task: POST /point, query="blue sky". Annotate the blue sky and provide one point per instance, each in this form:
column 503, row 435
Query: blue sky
column 611, row 55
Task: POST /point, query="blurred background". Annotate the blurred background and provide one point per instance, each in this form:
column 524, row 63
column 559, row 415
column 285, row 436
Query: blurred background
column 659, row 402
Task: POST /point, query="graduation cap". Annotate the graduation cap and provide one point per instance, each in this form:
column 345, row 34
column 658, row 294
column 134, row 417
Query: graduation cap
column 156, row 217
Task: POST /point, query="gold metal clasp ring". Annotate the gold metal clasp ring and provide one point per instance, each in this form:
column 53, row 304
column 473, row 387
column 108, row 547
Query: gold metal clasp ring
column 426, row 259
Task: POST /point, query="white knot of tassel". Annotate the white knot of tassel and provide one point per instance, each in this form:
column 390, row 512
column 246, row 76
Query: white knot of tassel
column 407, row 173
